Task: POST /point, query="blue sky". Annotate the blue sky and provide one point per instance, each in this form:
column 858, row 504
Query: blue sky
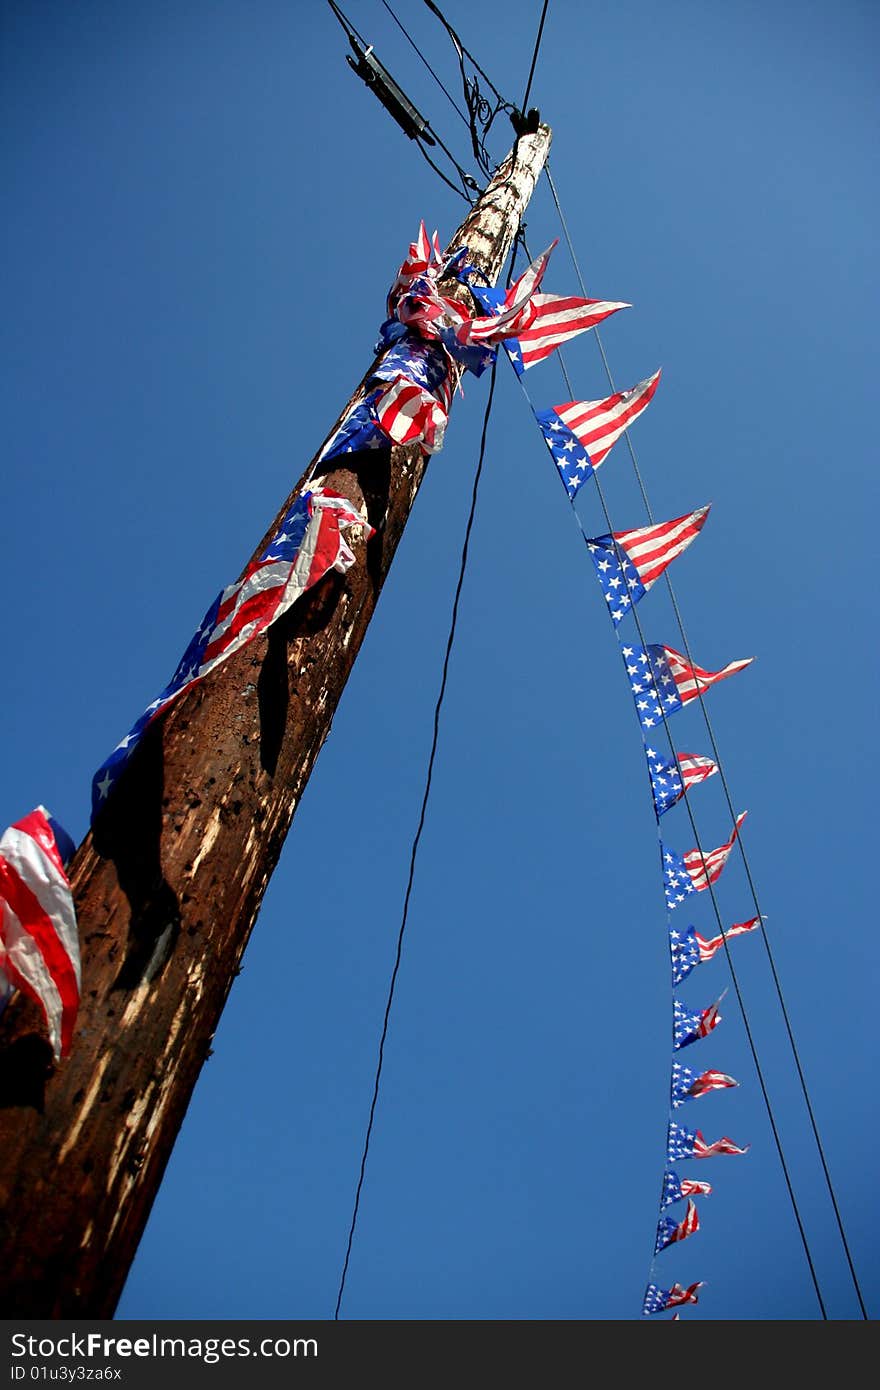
column 205, row 210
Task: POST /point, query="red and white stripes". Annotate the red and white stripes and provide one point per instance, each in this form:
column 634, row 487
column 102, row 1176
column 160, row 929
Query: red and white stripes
column 651, row 548
column 599, row 424
column 39, row 944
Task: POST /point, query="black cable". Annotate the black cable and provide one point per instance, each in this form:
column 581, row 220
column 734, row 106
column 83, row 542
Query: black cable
column 535, row 56
column 421, row 55
column 440, row 173
column 418, row 835
column 346, row 23
column 460, row 48
column 479, row 109
column 730, row 804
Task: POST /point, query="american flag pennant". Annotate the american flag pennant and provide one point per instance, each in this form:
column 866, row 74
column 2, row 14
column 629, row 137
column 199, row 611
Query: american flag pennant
column 588, row 430
column 307, row 545
column 689, row 1027
column 39, row 943
column 663, row 681
column 656, row 1299
column 628, row 562
column 669, row 1231
column 688, row 949
column 672, row 777
column 709, row 948
column 688, row 1085
column 675, row 1188
column 556, row 319
column 693, row 872
column 689, row 1143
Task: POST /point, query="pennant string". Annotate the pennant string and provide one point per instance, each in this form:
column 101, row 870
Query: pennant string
column 730, row 804
column 703, row 857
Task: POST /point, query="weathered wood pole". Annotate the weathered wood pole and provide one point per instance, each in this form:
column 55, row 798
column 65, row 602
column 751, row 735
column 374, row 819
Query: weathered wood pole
column 168, row 886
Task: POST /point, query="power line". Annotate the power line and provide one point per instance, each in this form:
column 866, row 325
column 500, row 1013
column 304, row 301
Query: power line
column 525, row 100
column 421, row 55
column 418, row 835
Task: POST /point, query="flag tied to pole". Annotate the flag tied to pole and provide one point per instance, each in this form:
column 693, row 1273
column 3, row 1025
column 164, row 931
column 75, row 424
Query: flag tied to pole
column 672, row 777
column 39, row 944
column 408, row 399
column 360, row 429
column 687, row 1143
column 656, row 1299
column 688, row 949
column 689, row 1027
column 674, row 1188
column 307, row 545
column 669, row 1231
column 628, row 562
column 663, row 681
column 693, row 872
column 688, row 1085
column 580, row 434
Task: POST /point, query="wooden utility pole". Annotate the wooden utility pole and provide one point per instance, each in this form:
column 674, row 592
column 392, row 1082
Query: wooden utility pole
column 168, row 885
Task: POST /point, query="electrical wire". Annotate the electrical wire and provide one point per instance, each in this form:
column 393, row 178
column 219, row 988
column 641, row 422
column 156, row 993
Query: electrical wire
column 440, row 174
column 468, row 182
column 418, row 835
column 525, row 100
column 479, row 109
column 414, row 46
column 726, row 789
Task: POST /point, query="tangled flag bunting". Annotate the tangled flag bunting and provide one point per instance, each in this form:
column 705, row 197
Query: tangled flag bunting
column 689, row 1027
column 420, row 362
column 590, row 429
column 382, row 418
column 694, row 871
column 39, row 944
column 517, row 308
column 307, row 545
column 675, row 1188
column 688, row 949
column 431, row 328
column 657, row 1299
column 672, row 777
column 663, row 680
column 688, row 1085
column 669, row 1231
column 424, row 256
column 629, row 562
column 414, row 405
column 687, row 1143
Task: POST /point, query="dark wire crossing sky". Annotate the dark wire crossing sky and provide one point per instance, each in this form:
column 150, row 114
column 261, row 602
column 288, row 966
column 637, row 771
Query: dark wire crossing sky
column 206, row 208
